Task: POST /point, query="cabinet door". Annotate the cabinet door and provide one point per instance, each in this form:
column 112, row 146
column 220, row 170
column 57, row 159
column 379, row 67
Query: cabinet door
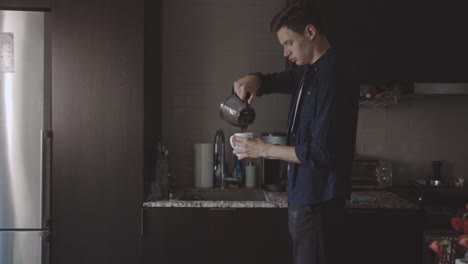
column 406, row 41
column 371, row 35
column 263, row 236
column 97, row 119
column 385, row 236
column 201, row 235
column 362, row 230
column 439, row 40
column 400, row 235
column 26, row 4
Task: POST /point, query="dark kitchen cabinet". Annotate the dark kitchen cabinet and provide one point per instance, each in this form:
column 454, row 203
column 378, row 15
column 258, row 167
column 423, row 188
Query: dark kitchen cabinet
column 438, row 42
column 361, row 235
column 216, row 235
column 25, row 4
column 385, row 236
column 399, row 40
column 181, row 235
column 97, row 120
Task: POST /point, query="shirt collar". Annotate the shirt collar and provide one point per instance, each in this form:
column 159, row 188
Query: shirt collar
column 316, row 65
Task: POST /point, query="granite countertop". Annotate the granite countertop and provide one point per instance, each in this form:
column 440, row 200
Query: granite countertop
column 359, row 199
column 272, row 200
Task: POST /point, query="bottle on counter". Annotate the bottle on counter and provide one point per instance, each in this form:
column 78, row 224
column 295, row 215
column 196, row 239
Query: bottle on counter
column 160, row 187
column 238, row 171
column 250, row 178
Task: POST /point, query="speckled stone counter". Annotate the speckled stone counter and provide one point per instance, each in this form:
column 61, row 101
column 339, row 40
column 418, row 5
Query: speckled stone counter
column 359, row 199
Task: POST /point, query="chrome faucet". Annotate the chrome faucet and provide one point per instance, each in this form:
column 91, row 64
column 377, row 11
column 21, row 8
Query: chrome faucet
column 219, row 151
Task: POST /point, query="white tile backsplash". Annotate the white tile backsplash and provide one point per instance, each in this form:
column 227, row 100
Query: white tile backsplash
column 417, row 131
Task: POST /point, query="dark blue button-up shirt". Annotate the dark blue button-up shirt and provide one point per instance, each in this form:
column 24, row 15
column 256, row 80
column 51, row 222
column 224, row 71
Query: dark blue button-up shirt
column 323, row 130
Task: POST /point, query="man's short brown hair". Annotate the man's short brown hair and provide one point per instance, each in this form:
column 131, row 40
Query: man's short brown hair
column 296, row 17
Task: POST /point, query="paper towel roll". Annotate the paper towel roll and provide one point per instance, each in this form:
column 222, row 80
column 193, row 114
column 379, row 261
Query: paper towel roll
column 203, row 165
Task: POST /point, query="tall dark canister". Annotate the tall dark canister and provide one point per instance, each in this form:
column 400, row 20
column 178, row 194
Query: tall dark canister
column 274, row 170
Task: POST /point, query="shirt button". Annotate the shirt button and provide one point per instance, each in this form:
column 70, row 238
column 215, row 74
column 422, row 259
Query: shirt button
column 315, row 69
column 294, row 134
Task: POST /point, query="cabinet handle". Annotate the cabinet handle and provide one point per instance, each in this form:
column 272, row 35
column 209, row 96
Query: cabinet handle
column 46, row 168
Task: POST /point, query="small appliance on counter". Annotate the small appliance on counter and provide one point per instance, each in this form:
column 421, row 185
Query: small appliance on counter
column 274, row 170
column 371, row 173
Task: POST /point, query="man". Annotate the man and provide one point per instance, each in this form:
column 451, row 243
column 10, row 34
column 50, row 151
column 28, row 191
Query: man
column 321, row 133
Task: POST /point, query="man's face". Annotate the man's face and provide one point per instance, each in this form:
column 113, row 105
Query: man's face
column 297, row 48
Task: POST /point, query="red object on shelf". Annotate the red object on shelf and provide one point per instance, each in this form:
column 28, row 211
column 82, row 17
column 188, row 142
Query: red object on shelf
column 373, row 90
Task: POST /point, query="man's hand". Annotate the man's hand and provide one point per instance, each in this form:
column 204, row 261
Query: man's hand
column 248, row 84
column 256, row 148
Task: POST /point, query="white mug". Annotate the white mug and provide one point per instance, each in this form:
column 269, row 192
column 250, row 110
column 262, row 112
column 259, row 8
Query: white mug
column 244, row 135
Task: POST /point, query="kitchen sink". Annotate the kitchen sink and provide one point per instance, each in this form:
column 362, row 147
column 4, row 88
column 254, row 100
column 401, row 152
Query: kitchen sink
column 223, row 196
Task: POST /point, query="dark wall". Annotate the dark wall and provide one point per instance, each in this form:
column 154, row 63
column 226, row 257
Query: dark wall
column 399, row 40
column 153, row 85
column 97, row 119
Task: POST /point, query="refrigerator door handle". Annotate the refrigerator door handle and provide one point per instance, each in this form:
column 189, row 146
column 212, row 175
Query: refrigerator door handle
column 45, row 247
column 46, row 168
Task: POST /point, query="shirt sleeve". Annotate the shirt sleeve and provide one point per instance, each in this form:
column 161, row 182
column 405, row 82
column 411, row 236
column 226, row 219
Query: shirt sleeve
column 283, row 82
column 320, row 150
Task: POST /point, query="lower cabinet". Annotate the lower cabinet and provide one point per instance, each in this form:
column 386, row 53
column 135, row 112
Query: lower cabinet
column 385, row 236
column 260, row 235
column 216, row 235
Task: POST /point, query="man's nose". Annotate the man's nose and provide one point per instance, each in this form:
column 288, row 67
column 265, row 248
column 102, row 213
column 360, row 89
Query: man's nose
column 286, row 52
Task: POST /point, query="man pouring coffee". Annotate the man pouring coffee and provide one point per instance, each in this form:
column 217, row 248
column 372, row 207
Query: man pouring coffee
column 321, row 132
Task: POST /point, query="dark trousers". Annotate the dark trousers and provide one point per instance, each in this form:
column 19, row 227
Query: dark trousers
column 317, row 232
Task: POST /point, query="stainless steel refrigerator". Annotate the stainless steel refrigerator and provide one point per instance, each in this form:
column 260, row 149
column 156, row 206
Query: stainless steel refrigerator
column 25, row 137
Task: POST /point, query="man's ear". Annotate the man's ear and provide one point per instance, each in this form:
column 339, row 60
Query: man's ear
column 310, row 31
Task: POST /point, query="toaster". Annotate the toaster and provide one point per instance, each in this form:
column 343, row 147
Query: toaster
column 371, row 173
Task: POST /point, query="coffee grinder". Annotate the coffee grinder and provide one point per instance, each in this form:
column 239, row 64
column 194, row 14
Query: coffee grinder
column 274, row 170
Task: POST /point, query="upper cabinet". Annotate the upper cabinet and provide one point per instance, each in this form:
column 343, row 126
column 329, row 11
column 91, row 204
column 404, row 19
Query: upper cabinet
column 25, row 4
column 403, row 41
column 97, row 120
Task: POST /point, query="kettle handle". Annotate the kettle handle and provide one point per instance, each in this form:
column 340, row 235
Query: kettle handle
column 245, row 100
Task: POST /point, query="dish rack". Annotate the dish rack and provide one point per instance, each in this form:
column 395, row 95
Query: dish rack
column 378, row 103
column 388, row 95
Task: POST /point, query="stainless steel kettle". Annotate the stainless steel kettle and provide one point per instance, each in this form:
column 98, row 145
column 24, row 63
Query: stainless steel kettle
column 236, row 111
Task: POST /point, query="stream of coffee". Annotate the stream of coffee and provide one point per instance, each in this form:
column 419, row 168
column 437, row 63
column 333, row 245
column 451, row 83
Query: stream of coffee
column 244, row 130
